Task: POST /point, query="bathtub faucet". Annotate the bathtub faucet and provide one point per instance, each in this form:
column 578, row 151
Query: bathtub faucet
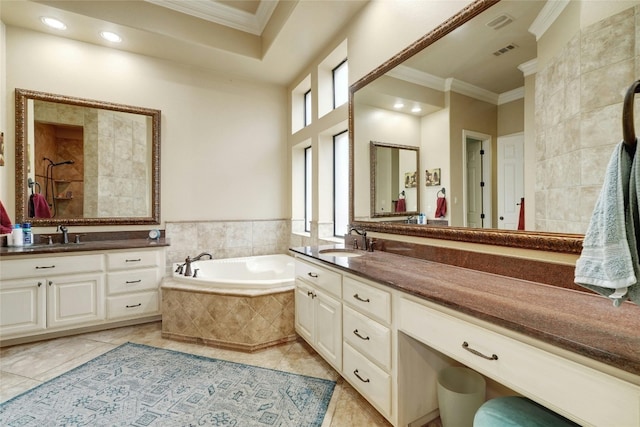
column 187, row 267
column 201, row 255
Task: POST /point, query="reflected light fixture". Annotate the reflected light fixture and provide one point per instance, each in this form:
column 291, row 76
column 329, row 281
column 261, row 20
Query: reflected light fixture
column 53, row 23
column 416, row 109
column 398, row 105
column 109, row 36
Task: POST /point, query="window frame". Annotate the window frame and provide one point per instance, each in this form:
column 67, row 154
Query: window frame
column 344, row 133
column 308, row 182
column 333, row 82
column 306, row 111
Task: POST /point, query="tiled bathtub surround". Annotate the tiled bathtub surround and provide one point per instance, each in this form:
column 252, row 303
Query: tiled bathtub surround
column 227, row 239
column 586, row 81
column 238, row 322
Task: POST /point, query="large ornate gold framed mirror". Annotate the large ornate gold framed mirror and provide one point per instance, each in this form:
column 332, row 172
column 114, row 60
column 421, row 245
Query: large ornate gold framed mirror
column 375, row 88
column 85, row 162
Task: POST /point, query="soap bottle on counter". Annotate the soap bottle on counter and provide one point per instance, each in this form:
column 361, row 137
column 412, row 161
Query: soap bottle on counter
column 16, row 236
column 27, row 235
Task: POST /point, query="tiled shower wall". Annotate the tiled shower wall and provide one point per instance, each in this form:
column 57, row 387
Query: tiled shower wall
column 578, row 98
column 227, row 239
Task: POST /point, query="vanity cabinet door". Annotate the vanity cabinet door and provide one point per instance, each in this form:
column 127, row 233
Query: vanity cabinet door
column 304, row 311
column 319, row 321
column 23, row 305
column 74, row 300
column 328, row 328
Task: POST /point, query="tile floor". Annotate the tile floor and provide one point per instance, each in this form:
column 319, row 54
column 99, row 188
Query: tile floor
column 25, row 366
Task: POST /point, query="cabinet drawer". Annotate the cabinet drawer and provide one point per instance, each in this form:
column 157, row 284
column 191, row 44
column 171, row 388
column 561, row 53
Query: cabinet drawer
column 132, row 305
column 41, row 267
column 367, row 336
column 562, row 385
column 367, row 299
column 322, row 278
column 134, row 259
column 132, row 281
column 372, row 382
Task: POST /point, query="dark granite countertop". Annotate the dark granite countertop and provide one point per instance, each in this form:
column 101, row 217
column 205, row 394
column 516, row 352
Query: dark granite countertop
column 98, row 245
column 582, row 323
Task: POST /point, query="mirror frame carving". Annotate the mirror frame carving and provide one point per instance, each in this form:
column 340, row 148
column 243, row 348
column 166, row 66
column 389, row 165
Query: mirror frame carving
column 545, row 241
column 21, row 97
column 373, row 165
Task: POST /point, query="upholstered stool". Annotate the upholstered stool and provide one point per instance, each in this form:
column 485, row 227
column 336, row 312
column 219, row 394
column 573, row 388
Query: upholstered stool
column 516, row 411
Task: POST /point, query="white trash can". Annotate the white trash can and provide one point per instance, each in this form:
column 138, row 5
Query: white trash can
column 461, row 392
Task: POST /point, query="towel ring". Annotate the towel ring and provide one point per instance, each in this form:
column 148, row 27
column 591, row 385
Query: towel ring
column 628, row 131
column 31, row 183
column 441, row 191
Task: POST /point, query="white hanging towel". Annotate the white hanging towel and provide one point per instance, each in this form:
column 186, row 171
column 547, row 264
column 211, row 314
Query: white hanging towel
column 608, row 263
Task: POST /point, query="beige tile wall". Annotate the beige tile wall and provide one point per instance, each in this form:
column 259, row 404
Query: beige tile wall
column 578, row 119
column 227, row 239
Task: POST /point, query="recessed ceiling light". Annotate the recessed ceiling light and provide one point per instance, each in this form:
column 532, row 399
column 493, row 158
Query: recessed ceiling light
column 53, row 23
column 398, row 105
column 109, row 36
column 416, row 109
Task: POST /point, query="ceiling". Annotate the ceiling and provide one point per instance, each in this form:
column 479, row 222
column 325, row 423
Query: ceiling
column 468, row 60
column 266, row 40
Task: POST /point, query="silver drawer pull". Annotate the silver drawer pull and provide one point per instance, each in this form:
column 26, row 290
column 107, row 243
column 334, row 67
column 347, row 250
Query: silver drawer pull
column 360, row 378
column 356, row 333
column 314, row 275
column 134, row 306
column 128, row 282
column 465, row 345
column 356, row 296
column 133, row 260
column 46, row 266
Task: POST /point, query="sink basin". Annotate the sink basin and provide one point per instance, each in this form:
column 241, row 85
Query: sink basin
column 341, row 252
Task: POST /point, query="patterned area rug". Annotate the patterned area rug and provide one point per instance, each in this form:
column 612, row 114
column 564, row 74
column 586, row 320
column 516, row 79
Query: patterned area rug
column 138, row 385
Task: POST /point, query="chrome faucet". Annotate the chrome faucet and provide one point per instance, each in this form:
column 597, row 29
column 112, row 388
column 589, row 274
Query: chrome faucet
column 197, row 258
column 362, row 233
column 65, row 233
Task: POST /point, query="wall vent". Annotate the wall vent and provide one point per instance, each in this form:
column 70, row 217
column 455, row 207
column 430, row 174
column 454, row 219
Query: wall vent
column 500, row 21
column 507, row 48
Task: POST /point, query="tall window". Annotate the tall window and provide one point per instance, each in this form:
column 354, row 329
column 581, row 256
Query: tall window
column 340, row 84
column 307, row 189
column 307, row 108
column 340, row 183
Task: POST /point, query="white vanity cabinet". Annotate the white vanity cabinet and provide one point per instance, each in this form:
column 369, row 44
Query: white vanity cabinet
column 347, row 321
column 318, row 310
column 52, row 292
column 42, row 295
column 132, row 283
column 394, row 344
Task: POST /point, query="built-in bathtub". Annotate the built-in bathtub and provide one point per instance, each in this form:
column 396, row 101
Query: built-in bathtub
column 240, row 303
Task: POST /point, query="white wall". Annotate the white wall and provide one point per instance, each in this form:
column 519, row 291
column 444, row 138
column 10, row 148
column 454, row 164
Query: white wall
column 4, row 175
column 223, row 139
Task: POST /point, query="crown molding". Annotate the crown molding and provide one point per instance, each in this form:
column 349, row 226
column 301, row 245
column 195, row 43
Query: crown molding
column 547, row 16
column 222, row 14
